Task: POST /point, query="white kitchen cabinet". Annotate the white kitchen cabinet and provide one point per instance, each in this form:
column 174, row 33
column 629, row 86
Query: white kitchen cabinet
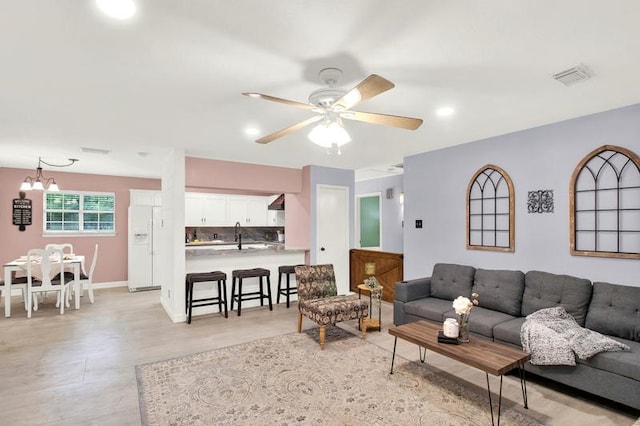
column 145, row 197
column 247, row 210
column 205, row 210
column 275, row 217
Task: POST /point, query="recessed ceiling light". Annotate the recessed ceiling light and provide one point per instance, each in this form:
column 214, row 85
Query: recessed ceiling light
column 445, row 111
column 117, row 9
column 251, row 131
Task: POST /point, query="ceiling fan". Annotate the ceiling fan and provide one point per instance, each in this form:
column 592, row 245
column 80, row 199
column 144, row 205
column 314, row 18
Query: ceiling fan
column 332, row 104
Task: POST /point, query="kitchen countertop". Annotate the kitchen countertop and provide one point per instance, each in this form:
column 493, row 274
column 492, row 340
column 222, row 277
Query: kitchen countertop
column 210, row 248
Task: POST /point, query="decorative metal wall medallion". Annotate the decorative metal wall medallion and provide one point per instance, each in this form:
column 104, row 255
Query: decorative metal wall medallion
column 540, row 201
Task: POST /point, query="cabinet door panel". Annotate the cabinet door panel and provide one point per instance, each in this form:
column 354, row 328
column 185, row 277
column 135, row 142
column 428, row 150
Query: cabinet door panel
column 257, row 211
column 193, row 211
column 237, row 208
column 215, row 211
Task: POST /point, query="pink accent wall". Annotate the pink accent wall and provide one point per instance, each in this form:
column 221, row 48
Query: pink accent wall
column 112, row 257
column 297, row 215
column 202, row 175
column 205, row 175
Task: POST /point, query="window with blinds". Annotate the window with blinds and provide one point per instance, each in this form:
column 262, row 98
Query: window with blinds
column 84, row 212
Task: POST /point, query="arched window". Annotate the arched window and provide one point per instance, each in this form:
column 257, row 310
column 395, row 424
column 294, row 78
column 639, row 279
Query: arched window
column 490, row 210
column 604, row 198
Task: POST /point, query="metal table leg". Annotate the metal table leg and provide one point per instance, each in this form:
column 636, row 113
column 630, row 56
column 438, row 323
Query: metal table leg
column 490, row 402
column 393, row 357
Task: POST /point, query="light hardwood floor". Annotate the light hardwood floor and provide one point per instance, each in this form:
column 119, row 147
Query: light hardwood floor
column 79, row 368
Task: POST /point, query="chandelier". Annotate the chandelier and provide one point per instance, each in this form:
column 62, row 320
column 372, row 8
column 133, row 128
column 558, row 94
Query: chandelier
column 39, row 182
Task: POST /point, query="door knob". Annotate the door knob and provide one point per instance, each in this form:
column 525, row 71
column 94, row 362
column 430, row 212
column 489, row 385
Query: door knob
column 321, row 248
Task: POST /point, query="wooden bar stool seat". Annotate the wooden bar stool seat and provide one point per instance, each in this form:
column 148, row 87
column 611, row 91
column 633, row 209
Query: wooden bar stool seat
column 240, row 296
column 287, row 291
column 200, row 277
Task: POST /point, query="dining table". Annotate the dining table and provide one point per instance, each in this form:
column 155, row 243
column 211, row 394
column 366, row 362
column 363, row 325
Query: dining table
column 19, row 267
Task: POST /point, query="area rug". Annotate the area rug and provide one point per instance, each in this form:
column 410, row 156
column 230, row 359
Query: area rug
column 288, row 380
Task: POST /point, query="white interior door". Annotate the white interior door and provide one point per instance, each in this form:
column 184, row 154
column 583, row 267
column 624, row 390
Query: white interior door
column 332, row 213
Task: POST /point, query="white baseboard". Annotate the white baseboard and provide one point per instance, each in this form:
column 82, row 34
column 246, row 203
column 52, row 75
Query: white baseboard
column 181, row 317
column 112, row 284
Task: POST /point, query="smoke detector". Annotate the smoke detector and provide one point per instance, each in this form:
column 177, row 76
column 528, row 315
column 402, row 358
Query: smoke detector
column 573, row 75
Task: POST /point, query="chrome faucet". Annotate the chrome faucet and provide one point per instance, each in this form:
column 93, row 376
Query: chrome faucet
column 238, row 232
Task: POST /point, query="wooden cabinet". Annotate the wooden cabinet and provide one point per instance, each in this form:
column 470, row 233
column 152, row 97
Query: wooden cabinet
column 389, row 269
column 205, row 210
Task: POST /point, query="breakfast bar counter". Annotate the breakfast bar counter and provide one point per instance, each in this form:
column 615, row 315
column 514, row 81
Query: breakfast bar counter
column 227, row 257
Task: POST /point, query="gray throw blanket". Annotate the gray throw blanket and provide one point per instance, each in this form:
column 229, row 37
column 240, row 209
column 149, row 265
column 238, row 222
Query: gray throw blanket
column 553, row 337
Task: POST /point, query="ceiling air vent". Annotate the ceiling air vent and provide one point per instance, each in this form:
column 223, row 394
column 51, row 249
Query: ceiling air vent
column 573, row 75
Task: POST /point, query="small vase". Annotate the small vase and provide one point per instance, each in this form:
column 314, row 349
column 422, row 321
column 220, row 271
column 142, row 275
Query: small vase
column 463, row 324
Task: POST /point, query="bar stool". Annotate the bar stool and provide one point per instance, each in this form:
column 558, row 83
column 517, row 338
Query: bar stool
column 241, row 274
column 199, row 277
column 288, row 290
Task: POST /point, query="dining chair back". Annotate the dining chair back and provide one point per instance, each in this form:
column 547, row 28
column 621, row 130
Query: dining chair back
column 87, row 280
column 67, row 248
column 42, row 265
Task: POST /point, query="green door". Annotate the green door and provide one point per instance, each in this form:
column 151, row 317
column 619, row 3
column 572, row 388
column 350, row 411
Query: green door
column 370, row 221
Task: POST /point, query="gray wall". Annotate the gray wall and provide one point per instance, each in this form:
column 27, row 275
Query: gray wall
column 329, row 176
column 435, row 185
column 392, row 210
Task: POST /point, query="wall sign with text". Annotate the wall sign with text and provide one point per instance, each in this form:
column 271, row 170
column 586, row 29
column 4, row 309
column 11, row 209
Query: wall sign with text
column 21, row 212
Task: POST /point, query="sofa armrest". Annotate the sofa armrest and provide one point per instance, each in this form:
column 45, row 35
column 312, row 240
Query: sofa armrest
column 419, row 288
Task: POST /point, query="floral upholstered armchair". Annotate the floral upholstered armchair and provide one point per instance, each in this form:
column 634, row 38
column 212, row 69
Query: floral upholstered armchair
column 318, row 299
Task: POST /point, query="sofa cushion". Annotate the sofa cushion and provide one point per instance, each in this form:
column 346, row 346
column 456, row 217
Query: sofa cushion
column 499, row 290
column 429, row 308
column 615, row 310
column 482, row 321
column 449, row 281
column 624, row 363
column 509, row 331
column 545, row 290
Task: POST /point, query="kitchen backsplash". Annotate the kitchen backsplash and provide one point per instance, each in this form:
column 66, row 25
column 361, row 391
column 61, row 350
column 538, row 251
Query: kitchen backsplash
column 228, row 233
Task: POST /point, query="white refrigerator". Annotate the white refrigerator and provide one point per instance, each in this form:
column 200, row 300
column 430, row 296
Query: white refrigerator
column 145, row 223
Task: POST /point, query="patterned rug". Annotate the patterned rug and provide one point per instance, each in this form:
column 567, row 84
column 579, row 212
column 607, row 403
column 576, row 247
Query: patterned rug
column 288, row 380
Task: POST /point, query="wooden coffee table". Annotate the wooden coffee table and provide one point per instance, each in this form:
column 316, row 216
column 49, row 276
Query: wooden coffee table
column 486, row 355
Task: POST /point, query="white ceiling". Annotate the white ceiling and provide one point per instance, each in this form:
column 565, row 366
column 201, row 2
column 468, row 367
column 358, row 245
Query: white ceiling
column 173, row 76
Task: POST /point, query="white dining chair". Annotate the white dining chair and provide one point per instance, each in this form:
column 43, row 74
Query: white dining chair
column 41, row 266
column 85, row 280
column 67, row 248
column 16, row 283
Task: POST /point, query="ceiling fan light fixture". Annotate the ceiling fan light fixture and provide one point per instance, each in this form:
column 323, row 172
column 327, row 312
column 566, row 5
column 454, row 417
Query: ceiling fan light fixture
column 328, row 134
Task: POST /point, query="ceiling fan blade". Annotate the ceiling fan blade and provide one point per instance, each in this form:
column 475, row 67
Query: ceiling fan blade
column 290, row 129
column 367, row 89
column 383, row 119
column 280, row 100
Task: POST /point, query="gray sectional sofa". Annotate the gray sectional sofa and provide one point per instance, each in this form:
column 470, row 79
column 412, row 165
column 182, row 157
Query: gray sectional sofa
column 507, row 297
